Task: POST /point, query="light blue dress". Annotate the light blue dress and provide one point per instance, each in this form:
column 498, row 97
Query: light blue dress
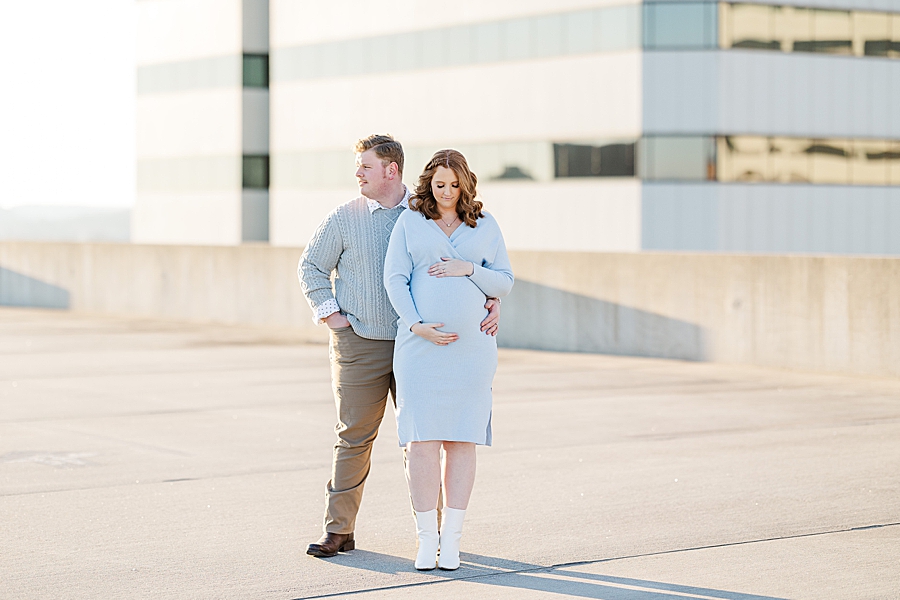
column 444, row 392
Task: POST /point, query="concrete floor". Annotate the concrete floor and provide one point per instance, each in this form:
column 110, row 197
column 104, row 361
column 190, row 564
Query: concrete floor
column 143, row 459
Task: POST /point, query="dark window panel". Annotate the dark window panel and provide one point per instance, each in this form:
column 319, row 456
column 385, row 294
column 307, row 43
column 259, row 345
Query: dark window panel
column 577, row 160
column 758, row 44
column 256, row 70
column 255, row 172
column 824, row 46
column 882, row 48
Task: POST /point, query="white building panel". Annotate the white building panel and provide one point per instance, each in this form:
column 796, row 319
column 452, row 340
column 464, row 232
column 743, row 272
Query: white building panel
column 584, row 215
column 578, row 215
column 297, row 22
column 255, row 24
column 295, row 214
column 572, row 98
column 770, row 93
column 198, row 122
column 771, row 218
column 177, row 30
column 199, row 218
column 255, row 124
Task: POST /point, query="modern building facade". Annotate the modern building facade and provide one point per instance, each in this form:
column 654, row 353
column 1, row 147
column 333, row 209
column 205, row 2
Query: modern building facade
column 202, row 122
column 593, row 125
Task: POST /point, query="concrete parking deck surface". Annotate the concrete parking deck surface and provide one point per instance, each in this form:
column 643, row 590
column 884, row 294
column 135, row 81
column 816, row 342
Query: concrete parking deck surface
column 144, row 459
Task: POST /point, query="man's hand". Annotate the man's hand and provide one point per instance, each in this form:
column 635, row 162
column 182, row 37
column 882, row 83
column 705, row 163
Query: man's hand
column 491, row 323
column 336, row 320
column 430, row 332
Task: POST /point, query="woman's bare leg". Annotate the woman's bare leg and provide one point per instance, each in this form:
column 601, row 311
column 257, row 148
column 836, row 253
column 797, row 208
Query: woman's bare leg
column 459, row 474
column 423, row 466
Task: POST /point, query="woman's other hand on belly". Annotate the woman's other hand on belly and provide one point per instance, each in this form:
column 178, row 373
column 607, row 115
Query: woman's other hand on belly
column 429, row 331
column 451, row 267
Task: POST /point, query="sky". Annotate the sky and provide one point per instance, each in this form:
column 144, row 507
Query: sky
column 67, row 129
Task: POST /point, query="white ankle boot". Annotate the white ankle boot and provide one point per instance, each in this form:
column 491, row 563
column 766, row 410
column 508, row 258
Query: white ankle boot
column 451, row 532
column 427, row 532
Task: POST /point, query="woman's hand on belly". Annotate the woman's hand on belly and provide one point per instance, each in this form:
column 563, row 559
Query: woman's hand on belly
column 429, row 331
column 451, row 267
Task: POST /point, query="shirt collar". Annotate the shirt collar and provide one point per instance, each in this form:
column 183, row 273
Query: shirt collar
column 375, row 204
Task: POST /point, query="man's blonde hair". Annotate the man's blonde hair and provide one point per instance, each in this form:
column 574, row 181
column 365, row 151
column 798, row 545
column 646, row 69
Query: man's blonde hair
column 386, row 148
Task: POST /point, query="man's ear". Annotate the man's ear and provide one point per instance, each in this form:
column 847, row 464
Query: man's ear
column 393, row 170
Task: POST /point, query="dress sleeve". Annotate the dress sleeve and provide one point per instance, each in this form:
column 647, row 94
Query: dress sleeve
column 398, row 267
column 494, row 275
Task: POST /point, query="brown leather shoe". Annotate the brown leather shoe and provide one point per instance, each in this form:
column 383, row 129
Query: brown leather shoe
column 332, row 543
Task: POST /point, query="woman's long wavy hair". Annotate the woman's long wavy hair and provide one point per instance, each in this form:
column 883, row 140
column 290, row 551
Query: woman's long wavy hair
column 423, row 201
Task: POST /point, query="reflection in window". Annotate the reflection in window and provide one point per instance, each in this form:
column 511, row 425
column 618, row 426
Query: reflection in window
column 829, row 160
column 791, row 29
column 256, row 70
column 748, row 26
column 255, row 172
column 513, row 172
column 743, row 158
column 678, row 158
column 805, row 160
column 680, row 25
column 870, row 162
column 610, row 160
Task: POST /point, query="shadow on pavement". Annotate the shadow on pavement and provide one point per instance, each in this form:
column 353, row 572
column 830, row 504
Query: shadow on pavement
column 565, row 581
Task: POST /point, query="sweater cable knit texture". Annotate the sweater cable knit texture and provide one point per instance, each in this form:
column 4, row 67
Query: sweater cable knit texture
column 351, row 243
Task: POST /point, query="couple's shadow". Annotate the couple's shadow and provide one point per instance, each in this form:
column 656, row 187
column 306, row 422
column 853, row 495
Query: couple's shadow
column 565, row 581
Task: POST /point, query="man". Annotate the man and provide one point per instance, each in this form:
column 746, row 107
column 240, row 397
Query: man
column 350, row 244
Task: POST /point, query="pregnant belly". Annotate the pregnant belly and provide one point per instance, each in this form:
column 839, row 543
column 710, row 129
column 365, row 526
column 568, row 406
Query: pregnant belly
column 454, row 301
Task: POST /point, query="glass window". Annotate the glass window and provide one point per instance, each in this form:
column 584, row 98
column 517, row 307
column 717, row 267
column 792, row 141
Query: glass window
column 517, row 39
column 354, row 58
column 870, row 163
column 488, row 42
column 548, row 36
column 871, row 34
column 832, row 32
column 581, row 160
column 788, row 159
column 893, row 161
column 435, row 48
column 256, row 70
column 748, row 26
column 579, row 32
column 680, row 25
column 792, row 25
column 678, row 158
column 742, row 158
column 619, row 28
column 407, row 54
column 331, row 59
column 830, row 160
column 309, row 61
column 460, row 41
column 895, row 36
column 255, row 172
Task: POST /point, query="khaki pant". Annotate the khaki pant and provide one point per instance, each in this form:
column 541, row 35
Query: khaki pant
column 361, row 376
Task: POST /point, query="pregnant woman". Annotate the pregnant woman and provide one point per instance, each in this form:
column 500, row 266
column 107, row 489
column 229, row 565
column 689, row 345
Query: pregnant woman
column 445, row 257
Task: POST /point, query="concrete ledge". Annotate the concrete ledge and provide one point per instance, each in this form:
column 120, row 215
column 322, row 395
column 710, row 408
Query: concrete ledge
column 822, row 313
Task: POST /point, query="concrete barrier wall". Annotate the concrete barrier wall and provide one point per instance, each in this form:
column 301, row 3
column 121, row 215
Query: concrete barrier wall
column 821, row 313
column 250, row 284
